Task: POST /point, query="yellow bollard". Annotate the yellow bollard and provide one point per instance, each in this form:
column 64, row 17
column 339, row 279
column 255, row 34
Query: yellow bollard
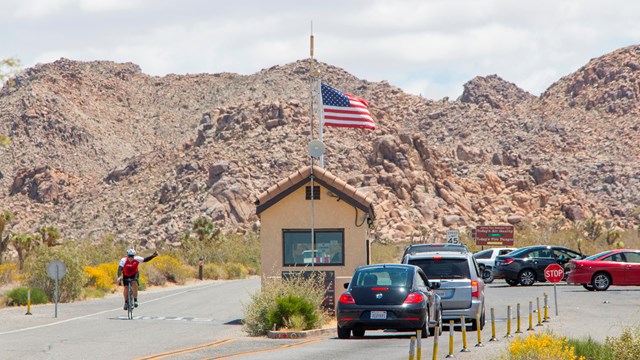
column 450, row 355
column 530, row 328
column 419, row 344
column 463, row 326
column 518, row 331
column 435, row 343
column 493, row 327
column 28, row 302
column 479, row 344
column 508, row 322
column 546, row 308
column 411, row 346
column 539, row 314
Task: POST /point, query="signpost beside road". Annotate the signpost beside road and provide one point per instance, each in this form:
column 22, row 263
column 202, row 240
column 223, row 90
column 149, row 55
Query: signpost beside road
column 554, row 274
column 56, row 271
column 501, row 235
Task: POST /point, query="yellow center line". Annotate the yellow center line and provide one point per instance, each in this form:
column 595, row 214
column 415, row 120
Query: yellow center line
column 187, row 350
column 282, row 347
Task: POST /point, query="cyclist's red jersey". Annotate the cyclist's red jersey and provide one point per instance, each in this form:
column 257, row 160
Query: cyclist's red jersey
column 130, row 267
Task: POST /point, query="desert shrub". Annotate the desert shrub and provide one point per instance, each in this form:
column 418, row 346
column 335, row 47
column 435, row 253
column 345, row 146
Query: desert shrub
column 541, row 346
column 235, row 271
column 35, row 270
column 591, row 349
column 7, row 273
column 111, row 269
column 154, row 276
column 626, row 346
column 218, row 248
column 170, row 268
column 386, row 253
column 98, row 278
column 312, row 289
column 105, row 250
column 289, row 309
column 20, row 295
column 214, row 272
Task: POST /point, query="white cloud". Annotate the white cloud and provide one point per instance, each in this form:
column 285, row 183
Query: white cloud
column 41, row 8
column 428, row 47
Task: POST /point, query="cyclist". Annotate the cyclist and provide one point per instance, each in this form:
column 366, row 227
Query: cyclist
column 128, row 273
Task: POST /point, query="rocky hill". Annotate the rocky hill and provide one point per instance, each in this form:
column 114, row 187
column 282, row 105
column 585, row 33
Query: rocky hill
column 101, row 148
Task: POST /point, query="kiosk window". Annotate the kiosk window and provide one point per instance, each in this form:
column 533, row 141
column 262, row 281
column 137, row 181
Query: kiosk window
column 329, row 247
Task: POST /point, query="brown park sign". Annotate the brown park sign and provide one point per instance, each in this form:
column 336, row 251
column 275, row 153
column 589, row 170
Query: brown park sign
column 499, row 235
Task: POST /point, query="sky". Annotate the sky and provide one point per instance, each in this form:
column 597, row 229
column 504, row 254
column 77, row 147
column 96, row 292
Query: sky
column 425, row 47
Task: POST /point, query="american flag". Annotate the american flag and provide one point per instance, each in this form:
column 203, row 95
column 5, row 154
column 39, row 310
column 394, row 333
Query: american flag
column 345, row 110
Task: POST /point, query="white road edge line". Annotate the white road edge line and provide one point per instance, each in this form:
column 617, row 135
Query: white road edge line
column 100, row 312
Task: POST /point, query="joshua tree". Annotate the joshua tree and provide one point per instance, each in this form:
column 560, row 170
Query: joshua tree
column 49, row 235
column 5, row 218
column 23, row 243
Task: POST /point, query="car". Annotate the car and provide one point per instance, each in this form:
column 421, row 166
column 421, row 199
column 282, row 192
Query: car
column 526, row 265
column 418, row 248
column 388, row 296
column 486, row 260
column 461, row 287
column 612, row 267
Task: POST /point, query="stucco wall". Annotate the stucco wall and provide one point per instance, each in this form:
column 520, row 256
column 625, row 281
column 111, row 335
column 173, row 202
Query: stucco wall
column 294, row 212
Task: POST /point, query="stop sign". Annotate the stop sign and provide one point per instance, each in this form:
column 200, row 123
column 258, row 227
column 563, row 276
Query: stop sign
column 554, row 273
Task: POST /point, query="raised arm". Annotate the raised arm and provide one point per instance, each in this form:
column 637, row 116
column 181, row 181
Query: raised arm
column 150, row 257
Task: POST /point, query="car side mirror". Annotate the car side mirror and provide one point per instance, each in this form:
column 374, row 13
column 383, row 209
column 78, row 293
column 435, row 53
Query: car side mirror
column 434, row 285
column 346, row 285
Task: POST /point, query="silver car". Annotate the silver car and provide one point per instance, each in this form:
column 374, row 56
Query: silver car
column 461, row 285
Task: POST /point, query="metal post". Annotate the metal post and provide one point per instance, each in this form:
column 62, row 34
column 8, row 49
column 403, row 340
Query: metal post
column 546, row 308
column 450, row 355
column 518, row 331
column 435, row 343
column 55, row 292
column 479, row 331
column 419, row 344
column 530, row 328
column 493, row 327
column 509, row 322
column 411, row 346
column 538, row 310
column 200, row 270
column 555, row 297
column 463, row 326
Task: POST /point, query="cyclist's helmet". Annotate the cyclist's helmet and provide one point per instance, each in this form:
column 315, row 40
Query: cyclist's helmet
column 131, row 252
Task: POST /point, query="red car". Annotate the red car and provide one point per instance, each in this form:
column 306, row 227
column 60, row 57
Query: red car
column 612, row 267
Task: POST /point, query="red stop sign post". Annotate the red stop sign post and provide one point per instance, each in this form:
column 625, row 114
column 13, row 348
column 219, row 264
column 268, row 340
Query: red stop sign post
column 554, row 273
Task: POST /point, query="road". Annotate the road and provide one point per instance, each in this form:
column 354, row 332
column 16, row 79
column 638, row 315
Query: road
column 202, row 321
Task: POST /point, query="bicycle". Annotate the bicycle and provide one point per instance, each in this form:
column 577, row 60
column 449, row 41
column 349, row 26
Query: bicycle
column 130, row 300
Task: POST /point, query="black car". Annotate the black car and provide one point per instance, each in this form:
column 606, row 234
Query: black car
column 526, row 265
column 388, row 296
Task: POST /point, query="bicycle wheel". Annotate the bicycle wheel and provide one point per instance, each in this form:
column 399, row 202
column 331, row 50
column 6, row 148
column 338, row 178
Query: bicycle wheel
column 130, row 302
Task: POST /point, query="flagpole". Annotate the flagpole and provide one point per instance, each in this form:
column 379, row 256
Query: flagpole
column 320, row 118
column 311, row 84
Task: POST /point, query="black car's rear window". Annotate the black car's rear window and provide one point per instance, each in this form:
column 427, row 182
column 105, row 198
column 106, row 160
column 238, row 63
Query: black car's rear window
column 443, row 268
column 383, row 277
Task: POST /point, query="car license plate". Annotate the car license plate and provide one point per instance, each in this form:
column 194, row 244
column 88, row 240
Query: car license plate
column 379, row 315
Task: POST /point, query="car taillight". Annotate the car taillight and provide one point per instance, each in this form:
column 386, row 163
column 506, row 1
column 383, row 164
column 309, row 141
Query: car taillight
column 506, row 261
column 347, row 299
column 414, row 298
column 475, row 292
